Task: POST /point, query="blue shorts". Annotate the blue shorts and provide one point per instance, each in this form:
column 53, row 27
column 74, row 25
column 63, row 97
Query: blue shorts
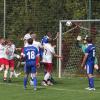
column 90, row 68
column 30, row 68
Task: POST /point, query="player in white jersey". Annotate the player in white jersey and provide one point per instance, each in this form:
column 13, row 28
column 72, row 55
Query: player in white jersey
column 48, row 54
column 27, row 36
column 36, row 43
column 9, row 60
column 2, row 47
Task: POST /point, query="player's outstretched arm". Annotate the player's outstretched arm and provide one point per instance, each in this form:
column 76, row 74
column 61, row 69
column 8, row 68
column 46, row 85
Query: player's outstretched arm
column 78, row 41
column 57, row 56
column 57, row 35
column 18, row 48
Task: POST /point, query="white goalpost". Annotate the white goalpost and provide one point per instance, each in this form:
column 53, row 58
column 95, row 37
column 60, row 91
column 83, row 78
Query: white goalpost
column 61, row 22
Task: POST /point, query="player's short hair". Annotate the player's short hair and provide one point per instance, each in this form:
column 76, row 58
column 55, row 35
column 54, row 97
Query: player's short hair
column 49, row 34
column 30, row 41
column 33, row 36
column 89, row 40
column 29, row 30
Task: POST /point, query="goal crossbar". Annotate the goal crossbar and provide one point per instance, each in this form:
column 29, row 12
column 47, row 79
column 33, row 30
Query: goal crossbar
column 60, row 39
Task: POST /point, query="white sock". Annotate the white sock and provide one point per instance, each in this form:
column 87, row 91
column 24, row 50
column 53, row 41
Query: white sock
column 5, row 73
column 2, row 67
column 31, row 76
column 14, row 73
column 46, row 77
column 11, row 74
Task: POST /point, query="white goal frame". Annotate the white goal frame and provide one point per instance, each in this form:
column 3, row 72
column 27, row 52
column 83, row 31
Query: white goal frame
column 59, row 62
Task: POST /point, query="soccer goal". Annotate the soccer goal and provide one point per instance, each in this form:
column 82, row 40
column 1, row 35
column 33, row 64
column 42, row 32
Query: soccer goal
column 67, row 43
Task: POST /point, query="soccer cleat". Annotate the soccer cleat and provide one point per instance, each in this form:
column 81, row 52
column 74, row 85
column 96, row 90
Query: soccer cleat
column 49, row 83
column 4, row 80
column 16, row 75
column 87, row 88
column 25, row 88
column 35, row 89
column 44, row 83
column 90, row 89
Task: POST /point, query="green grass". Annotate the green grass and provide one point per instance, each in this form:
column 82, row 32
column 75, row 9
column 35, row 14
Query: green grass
column 68, row 88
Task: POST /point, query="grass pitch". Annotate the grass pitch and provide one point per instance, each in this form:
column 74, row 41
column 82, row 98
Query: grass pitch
column 67, row 88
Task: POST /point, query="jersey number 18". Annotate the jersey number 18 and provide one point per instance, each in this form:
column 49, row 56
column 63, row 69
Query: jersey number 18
column 31, row 55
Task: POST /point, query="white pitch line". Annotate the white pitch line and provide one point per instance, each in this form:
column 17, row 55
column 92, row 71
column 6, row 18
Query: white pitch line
column 54, row 88
column 75, row 90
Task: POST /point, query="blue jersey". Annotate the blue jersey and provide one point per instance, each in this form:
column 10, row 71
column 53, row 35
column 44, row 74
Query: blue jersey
column 91, row 53
column 30, row 58
column 44, row 39
column 90, row 50
column 30, row 53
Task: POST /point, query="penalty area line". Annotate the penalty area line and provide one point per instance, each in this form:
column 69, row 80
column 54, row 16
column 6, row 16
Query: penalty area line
column 74, row 90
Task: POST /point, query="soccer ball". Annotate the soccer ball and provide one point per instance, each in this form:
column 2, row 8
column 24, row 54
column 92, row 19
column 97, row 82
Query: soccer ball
column 68, row 23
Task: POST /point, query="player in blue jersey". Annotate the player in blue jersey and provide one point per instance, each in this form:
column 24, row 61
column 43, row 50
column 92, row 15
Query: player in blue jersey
column 83, row 47
column 88, row 62
column 30, row 54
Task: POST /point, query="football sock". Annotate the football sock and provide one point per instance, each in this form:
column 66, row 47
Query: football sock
column 11, row 74
column 14, row 73
column 91, row 80
column 5, row 73
column 2, row 67
column 25, row 82
column 46, row 77
column 35, row 82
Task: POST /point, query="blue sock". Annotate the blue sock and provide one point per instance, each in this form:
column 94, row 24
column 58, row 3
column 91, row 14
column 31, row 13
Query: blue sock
column 25, row 82
column 35, row 82
column 91, row 82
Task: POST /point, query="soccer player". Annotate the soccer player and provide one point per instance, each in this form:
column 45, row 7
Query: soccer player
column 27, row 36
column 2, row 55
column 48, row 54
column 88, row 61
column 2, row 48
column 37, row 45
column 47, row 37
column 30, row 54
column 44, row 41
column 9, row 60
column 83, row 47
column 35, row 42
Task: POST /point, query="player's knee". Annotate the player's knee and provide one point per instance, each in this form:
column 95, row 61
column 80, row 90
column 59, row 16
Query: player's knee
column 90, row 75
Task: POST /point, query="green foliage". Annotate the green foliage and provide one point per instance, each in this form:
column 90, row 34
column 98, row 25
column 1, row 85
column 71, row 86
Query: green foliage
column 42, row 15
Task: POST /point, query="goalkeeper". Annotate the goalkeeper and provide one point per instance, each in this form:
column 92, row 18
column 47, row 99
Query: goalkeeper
column 83, row 46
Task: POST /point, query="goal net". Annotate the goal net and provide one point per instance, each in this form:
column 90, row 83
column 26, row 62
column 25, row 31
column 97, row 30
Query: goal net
column 69, row 47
